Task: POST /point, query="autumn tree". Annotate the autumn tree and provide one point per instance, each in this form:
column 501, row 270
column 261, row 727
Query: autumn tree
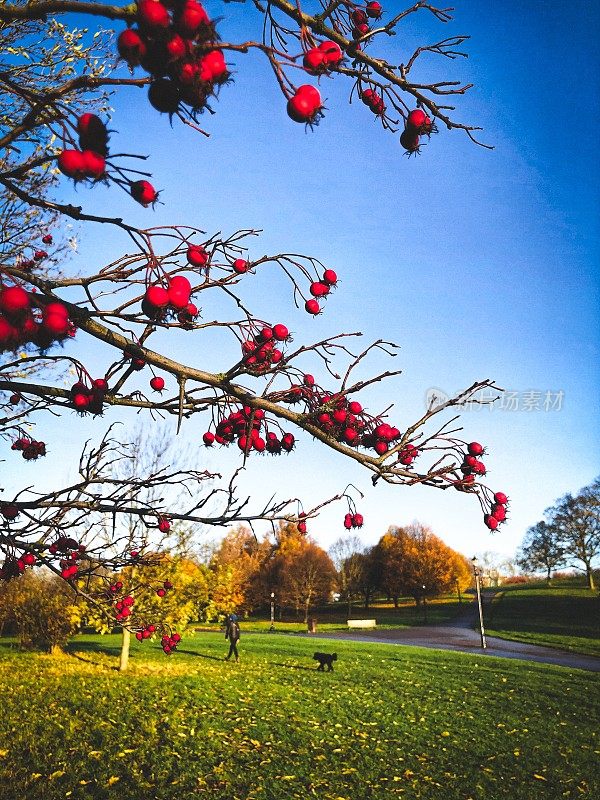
column 299, row 572
column 414, row 561
column 41, row 609
column 245, row 556
column 143, row 308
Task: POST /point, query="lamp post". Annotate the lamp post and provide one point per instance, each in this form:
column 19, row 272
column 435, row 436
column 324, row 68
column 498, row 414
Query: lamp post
column 477, row 574
column 272, row 628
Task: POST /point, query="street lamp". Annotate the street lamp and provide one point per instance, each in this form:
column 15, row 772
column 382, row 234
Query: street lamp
column 477, row 574
column 272, row 628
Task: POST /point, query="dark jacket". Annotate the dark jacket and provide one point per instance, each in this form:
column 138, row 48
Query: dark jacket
column 232, row 631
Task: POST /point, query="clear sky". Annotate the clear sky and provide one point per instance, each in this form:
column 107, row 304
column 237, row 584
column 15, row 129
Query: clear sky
column 480, row 264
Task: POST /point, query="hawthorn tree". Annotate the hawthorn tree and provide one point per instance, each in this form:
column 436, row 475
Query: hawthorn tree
column 55, row 80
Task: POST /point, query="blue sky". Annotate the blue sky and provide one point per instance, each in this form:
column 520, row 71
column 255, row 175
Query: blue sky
column 480, row 264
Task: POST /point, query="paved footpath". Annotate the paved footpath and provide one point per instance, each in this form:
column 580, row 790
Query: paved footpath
column 460, row 634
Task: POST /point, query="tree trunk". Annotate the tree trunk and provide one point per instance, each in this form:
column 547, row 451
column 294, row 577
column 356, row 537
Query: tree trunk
column 367, row 598
column 590, row 577
column 306, row 609
column 124, row 655
column 349, row 606
column 549, row 577
column 396, row 601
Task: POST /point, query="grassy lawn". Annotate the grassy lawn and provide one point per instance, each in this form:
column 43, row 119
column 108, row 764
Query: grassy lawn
column 389, row 722
column 561, row 616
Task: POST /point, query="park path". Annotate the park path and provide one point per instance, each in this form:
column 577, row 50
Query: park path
column 462, row 635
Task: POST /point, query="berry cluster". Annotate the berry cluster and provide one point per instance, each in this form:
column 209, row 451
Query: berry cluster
column 89, row 399
column 408, row 454
column 72, row 552
column 360, row 18
column 13, row 566
column 259, row 352
column 25, row 320
column 169, row 643
column 173, row 298
column 30, row 449
column 172, row 44
column 374, row 101
column 245, row 425
column 90, row 161
column 497, row 513
column 353, row 521
column 124, row 607
column 145, row 633
column 320, row 289
column 323, row 58
column 417, row 124
column 162, row 590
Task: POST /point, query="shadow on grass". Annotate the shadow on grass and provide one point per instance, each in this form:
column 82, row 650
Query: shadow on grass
column 200, row 655
column 73, row 648
column 291, row 666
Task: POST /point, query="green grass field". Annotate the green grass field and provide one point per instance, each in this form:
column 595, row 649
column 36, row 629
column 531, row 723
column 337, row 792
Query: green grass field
column 560, row 616
column 389, row 722
column 334, row 616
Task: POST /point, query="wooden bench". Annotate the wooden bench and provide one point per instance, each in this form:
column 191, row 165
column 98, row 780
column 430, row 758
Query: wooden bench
column 362, row 623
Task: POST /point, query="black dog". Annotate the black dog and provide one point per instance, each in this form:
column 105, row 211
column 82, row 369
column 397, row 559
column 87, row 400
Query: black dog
column 325, row 658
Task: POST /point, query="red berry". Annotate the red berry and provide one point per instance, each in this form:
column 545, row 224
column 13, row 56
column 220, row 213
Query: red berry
column 280, row 332
column 490, row 521
column 416, row 120
column 318, row 289
column 213, row 67
column 144, row 193
column 157, row 383
column 475, row 449
column 287, row 441
column 240, row 266
column 131, row 46
column 357, row 521
column 409, row 140
column 312, row 307
column 301, row 526
column 197, row 255
column 152, row 15
column 313, row 61
column 330, row 277
column 305, row 105
column 47, row 238
column 164, row 526
column 374, row 9
column 94, row 165
column 157, row 296
column 332, row 52
column 500, row 497
column 308, row 380
column 208, row 438
column 14, row 300
column 381, row 448
column 191, row 18
column 499, row 512
column 72, row 164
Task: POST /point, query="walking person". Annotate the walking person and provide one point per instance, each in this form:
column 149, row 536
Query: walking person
column 232, row 632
